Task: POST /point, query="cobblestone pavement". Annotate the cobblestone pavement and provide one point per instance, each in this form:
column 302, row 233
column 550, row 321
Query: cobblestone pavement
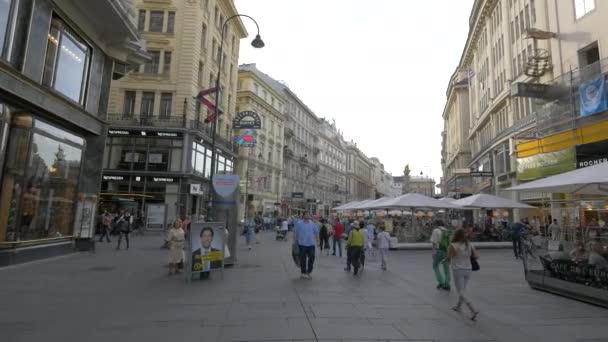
column 127, row 296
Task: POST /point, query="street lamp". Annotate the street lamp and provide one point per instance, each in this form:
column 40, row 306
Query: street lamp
column 256, row 43
column 247, row 186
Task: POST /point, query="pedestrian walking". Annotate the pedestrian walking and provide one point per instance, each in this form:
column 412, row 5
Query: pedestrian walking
column 324, row 237
column 384, row 242
column 307, row 237
column 363, row 231
column 106, row 226
column 337, row 237
column 460, row 253
column 124, row 222
column 249, row 232
column 371, row 236
column 440, row 240
column 354, row 248
column 555, row 229
column 176, row 238
column 517, row 229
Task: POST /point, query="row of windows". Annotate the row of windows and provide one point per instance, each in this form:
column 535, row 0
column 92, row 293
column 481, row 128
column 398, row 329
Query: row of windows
column 266, row 96
column 523, row 21
column 67, row 58
column 154, row 21
column 147, row 103
column 156, row 65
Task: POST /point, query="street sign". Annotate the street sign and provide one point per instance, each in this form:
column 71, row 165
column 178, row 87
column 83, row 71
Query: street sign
column 225, row 185
column 481, row 174
column 297, row 195
column 311, row 200
column 246, row 120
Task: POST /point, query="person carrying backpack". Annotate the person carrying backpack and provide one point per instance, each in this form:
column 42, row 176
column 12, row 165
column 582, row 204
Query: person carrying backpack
column 440, row 239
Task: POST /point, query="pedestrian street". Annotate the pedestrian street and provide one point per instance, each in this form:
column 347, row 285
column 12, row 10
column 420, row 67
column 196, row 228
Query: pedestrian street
column 124, row 295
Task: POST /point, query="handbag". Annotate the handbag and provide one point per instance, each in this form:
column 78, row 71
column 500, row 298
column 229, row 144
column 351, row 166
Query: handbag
column 474, row 264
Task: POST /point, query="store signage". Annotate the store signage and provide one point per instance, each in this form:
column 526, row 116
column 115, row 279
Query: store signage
column 246, row 139
column 311, row 200
column 196, row 189
column 143, row 133
column 591, row 154
column 139, row 178
column 535, row 90
column 297, row 195
column 225, row 185
column 246, row 120
column 546, row 164
column 486, row 183
column 162, row 179
column 482, row 174
column 113, row 178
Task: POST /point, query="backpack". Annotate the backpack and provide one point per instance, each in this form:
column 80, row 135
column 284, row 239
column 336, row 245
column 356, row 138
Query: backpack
column 446, row 237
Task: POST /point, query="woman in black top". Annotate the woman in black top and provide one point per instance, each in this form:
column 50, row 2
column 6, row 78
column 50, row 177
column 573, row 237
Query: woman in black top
column 324, row 237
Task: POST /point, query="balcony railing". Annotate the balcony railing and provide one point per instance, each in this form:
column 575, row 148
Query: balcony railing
column 560, row 113
column 170, row 121
column 207, row 130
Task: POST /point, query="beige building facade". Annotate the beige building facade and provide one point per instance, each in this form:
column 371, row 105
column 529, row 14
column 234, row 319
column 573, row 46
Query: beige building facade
column 497, row 55
column 158, row 153
column 261, row 166
column 358, row 174
column 332, row 162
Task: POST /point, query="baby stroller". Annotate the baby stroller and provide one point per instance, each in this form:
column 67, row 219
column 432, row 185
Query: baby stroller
column 281, row 235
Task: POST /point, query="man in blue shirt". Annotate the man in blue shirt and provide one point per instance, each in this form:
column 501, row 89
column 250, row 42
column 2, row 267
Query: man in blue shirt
column 307, row 237
column 517, row 229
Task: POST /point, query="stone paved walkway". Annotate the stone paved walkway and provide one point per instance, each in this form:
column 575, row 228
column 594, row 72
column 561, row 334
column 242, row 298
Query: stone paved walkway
column 126, row 296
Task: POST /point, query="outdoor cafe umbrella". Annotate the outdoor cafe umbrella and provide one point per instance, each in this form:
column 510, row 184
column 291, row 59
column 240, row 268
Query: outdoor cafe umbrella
column 483, row 201
column 346, row 205
column 361, row 205
column 414, row 200
column 374, row 204
column 592, row 180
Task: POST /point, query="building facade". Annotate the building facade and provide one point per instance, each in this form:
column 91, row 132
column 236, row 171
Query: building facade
column 571, row 129
column 261, row 165
column 301, row 153
column 382, row 181
column 501, row 52
column 456, row 151
column 57, row 60
column 358, row 174
column 157, row 158
column 332, row 162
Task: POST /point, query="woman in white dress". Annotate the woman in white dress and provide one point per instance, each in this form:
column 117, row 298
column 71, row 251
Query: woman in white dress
column 176, row 239
column 459, row 254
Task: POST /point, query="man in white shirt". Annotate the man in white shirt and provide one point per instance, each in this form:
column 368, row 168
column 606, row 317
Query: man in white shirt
column 371, row 232
column 384, row 242
column 555, row 230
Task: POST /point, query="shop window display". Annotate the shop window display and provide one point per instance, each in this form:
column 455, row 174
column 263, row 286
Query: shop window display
column 575, row 248
column 43, row 174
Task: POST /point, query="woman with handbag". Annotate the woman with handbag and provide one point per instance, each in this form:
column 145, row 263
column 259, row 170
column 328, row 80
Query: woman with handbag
column 176, row 239
column 463, row 259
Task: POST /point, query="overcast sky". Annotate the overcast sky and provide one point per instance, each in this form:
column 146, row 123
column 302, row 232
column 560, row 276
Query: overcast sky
column 380, row 68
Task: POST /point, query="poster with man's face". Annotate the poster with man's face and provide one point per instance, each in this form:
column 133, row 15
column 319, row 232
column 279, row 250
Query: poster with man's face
column 207, row 239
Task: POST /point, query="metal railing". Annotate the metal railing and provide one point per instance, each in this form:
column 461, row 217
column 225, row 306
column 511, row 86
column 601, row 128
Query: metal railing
column 170, row 121
column 561, row 113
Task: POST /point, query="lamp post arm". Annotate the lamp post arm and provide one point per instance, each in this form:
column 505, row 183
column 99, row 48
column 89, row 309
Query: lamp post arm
column 217, row 104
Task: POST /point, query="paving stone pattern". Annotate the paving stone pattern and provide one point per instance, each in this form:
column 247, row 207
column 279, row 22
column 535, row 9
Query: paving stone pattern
column 123, row 295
